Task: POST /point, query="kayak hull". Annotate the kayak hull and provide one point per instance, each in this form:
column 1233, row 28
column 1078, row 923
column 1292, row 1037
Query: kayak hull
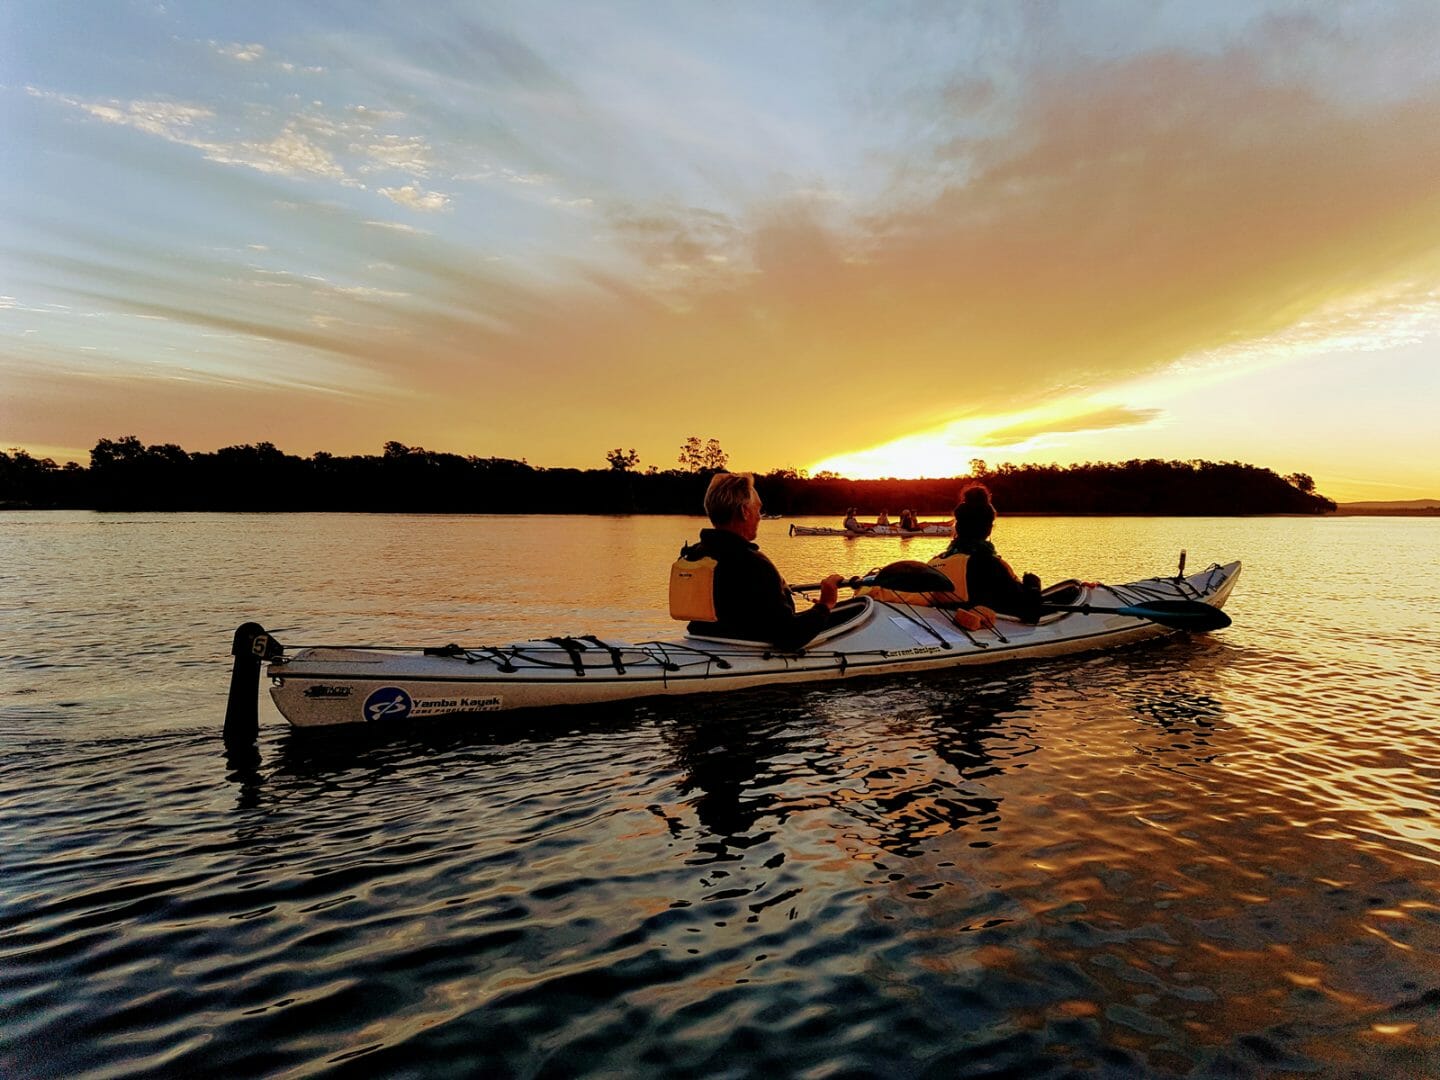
column 330, row 686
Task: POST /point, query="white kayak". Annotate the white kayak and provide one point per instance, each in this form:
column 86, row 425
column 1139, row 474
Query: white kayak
column 320, row 686
column 924, row 528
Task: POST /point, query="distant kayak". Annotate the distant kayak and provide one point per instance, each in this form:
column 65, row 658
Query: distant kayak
column 321, row 686
column 925, row 528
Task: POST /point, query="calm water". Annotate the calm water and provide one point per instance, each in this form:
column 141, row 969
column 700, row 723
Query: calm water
column 1204, row 857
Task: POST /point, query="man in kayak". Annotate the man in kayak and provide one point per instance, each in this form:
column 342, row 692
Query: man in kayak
column 750, row 599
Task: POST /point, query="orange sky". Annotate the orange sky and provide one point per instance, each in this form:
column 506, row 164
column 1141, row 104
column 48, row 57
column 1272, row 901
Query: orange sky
column 826, row 238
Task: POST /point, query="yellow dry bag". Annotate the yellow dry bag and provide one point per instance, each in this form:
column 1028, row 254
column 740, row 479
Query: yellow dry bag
column 692, row 588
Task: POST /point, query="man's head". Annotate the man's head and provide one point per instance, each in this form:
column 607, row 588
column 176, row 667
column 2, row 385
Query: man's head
column 732, row 503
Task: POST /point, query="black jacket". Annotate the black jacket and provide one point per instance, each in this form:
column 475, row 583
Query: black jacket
column 752, row 601
column 990, row 582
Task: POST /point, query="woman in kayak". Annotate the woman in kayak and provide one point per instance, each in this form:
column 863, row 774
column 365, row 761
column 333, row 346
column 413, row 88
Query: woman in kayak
column 750, row 599
column 989, row 581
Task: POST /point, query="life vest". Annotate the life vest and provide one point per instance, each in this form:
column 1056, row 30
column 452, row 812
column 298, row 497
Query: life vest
column 692, row 586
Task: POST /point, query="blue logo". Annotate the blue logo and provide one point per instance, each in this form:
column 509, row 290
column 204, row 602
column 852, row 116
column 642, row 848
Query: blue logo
column 388, row 703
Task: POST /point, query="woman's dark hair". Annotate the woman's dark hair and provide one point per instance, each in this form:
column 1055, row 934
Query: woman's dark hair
column 974, row 516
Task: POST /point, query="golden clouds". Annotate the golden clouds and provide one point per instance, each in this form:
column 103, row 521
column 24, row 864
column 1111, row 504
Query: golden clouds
column 1012, row 246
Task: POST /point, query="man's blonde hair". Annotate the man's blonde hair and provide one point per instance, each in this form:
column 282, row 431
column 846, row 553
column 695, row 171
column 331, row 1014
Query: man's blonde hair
column 727, row 496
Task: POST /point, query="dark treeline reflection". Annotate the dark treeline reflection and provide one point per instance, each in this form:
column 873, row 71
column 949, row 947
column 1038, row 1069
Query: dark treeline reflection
column 125, row 474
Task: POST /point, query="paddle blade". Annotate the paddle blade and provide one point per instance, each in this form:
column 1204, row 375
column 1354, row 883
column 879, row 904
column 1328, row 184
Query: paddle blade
column 1180, row 614
column 910, row 576
column 904, row 576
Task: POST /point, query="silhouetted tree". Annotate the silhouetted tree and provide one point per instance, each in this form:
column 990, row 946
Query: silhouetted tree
column 692, row 454
column 622, row 460
column 696, row 456
column 714, row 459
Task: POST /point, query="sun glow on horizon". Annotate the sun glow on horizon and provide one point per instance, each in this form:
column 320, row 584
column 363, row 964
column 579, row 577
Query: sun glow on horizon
column 938, row 453
column 950, row 450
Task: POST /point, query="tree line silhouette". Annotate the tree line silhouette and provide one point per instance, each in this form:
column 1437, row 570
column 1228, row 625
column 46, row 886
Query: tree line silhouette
column 125, row 474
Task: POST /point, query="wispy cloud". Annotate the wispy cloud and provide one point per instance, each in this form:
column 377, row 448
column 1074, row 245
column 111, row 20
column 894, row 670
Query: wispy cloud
column 343, row 147
column 290, row 153
column 397, row 226
column 246, row 54
column 416, row 198
column 254, row 53
column 1099, row 420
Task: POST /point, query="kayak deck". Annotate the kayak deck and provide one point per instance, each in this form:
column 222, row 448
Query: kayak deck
column 329, row 685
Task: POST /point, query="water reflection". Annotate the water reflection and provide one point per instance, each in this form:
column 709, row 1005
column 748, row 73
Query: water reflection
column 1182, row 720
column 728, row 766
column 935, row 766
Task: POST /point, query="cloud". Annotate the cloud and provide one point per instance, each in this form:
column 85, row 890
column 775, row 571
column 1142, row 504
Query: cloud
column 1100, row 420
column 166, row 119
column 254, row 53
column 290, row 153
column 246, row 54
column 409, row 154
column 397, row 226
column 415, row 198
column 311, row 144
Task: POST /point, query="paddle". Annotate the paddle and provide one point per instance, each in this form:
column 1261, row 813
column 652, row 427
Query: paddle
column 917, row 577
column 903, row 576
column 1176, row 614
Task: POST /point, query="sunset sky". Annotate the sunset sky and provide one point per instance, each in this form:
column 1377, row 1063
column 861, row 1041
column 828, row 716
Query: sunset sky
column 882, row 238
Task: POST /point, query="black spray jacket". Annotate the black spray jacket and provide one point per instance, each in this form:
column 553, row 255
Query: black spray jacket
column 752, row 601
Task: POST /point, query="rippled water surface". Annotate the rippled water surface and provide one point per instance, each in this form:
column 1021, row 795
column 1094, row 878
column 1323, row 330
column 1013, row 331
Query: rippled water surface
column 1214, row 856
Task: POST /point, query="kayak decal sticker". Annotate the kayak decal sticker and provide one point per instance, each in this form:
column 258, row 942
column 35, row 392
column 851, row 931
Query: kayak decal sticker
column 432, row 706
column 919, row 650
column 388, row 703
column 319, row 690
column 393, row 703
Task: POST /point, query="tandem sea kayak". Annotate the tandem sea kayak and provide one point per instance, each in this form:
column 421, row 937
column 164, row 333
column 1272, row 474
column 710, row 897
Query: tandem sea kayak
column 324, row 686
column 923, row 528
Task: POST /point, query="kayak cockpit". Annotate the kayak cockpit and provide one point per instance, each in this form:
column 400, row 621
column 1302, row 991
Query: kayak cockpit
column 847, row 617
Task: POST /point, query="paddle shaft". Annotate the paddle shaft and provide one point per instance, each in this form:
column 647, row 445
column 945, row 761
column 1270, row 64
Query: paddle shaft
column 849, row 583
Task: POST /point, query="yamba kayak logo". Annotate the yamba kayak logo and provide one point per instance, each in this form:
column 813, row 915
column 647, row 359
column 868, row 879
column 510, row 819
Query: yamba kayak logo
column 388, row 703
